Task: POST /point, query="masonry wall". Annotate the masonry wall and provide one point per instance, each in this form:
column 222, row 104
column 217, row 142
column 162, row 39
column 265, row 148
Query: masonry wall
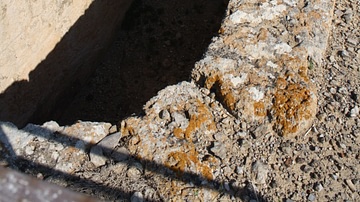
column 48, row 46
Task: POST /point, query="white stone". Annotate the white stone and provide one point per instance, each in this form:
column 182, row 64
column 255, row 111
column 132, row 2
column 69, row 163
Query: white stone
column 239, row 79
column 272, row 65
column 354, row 111
column 256, row 94
column 282, row 48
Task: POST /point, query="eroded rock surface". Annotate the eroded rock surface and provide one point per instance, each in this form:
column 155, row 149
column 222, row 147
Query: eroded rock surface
column 216, row 137
column 257, row 66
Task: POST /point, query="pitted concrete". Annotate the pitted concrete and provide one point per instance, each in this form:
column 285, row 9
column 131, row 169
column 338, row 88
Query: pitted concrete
column 258, row 65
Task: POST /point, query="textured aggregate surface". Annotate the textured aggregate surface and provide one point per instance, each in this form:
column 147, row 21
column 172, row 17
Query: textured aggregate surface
column 193, row 143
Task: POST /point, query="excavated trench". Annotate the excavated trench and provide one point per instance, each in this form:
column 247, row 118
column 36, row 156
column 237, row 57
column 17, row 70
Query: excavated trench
column 157, row 45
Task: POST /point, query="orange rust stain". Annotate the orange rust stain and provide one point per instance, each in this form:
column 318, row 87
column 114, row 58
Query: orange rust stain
column 303, row 73
column 290, row 106
column 210, row 81
column 186, row 159
column 178, row 133
column 182, row 161
column 281, row 83
column 259, row 109
column 224, row 94
column 290, row 61
column 206, row 172
column 221, row 30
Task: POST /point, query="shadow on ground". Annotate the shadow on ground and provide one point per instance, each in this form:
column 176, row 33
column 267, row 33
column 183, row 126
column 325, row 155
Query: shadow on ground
column 106, row 190
column 56, row 80
column 158, row 45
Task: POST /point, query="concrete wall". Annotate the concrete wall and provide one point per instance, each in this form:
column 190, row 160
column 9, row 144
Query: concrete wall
column 47, row 46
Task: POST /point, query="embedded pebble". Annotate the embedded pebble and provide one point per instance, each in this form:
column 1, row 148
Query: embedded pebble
column 110, row 142
column 260, row 171
column 219, row 149
column 137, row 197
column 311, row 197
column 354, row 111
column 97, row 156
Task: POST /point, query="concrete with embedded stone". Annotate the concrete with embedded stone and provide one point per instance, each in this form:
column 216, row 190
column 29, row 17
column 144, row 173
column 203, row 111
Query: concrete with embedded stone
column 200, row 140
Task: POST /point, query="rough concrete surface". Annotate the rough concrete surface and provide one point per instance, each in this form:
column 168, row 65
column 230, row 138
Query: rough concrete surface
column 271, row 113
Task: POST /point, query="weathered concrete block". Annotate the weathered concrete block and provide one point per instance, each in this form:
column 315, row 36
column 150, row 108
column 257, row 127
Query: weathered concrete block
column 258, row 65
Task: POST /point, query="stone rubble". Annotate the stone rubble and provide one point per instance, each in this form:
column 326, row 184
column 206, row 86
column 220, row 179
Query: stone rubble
column 255, row 123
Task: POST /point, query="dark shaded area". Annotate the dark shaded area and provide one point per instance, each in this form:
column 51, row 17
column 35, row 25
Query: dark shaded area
column 158, row 45
column 109, row 192
column 57, row 79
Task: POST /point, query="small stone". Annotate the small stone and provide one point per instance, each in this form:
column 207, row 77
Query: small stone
column 260, row 171
column 180, row 120
column 321, row 116
column 239, row 170
column 353, row 41
column 305, row 168
column 243, row 125
column 120, row 154
column 350, row 185
column 137, row 197
column 52, row 125
column 332, row 59
column 344, row 53
column 347, row 17
column 288, row 161
column 227, row 186
column 109, row 142
column 96, row 156
column 219, row 150
column 165, row 115
column 321, row 138
column 332, row 90
column 286, row 150
column 319, row 187
column 342, row 90
column 133, row 173
column 273, row 184
column 334, row 176
column 311, row 197
column 219, row 136
column 299, row 160
column 40, row 176
column 113, row 129
column 354, row 111
column 244, row 144
column 262, row 130
column 29, row 150
column 241, row 134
